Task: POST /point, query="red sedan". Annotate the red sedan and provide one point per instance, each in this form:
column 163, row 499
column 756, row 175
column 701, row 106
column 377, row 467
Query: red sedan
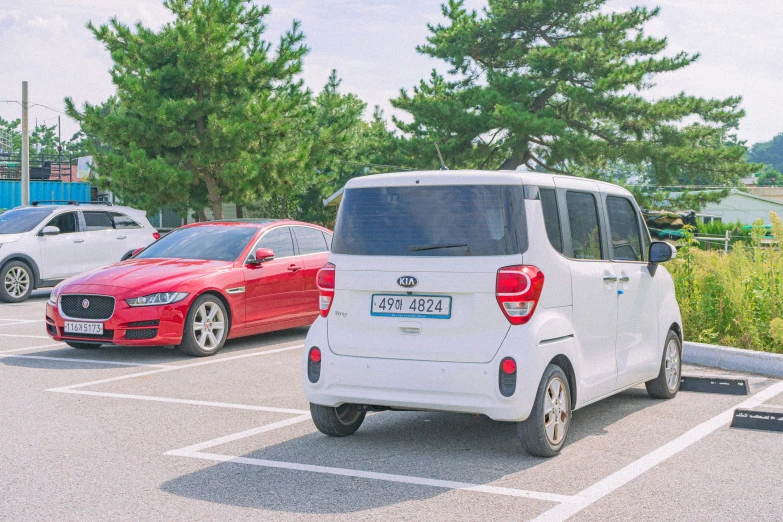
column 196, row 287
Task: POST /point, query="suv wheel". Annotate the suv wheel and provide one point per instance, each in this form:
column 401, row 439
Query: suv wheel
column 667, row 384
column 206, row 327
column 16, row 282
column 544, row 432
column 341, row 421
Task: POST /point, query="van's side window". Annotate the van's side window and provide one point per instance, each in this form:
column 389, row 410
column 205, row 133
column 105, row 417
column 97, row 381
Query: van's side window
column 624, row 227
column 551, row 217
column 583, row 220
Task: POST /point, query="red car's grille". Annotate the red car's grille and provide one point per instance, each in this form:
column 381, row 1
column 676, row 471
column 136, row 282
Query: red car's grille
column 78, row 306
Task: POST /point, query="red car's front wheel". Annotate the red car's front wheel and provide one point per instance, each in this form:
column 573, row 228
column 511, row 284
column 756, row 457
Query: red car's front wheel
column 206, row 327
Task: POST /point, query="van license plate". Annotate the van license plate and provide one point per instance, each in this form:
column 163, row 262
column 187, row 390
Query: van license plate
column 83, row 328
column 422, row 306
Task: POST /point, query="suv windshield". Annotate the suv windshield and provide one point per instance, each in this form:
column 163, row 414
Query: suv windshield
column 207, row 242
column 452, row 220
column 22, row 219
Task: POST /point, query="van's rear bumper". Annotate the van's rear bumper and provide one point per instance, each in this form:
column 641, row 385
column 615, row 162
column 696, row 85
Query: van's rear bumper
column 424, row 385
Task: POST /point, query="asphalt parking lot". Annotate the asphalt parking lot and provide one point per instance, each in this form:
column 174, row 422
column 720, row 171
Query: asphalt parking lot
column 131, row 433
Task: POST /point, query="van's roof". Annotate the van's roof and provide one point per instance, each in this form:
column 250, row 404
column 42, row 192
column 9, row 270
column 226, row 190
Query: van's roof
column 474, row 177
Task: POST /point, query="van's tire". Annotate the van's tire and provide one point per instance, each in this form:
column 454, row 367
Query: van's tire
column 82, row 346
column 341, row 421
column 667, row 384
column 16, row 282
column 195, row 341
column 544, row 432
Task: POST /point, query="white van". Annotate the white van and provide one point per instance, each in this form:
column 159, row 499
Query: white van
column 517, row 295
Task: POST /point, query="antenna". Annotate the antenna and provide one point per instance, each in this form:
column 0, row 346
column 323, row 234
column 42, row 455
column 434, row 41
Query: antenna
column 442, row 165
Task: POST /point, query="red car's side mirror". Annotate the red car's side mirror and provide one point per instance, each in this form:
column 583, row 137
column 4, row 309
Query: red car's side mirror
column 262, row 255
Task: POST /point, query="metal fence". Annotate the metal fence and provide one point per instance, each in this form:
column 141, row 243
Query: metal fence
column 43, row 167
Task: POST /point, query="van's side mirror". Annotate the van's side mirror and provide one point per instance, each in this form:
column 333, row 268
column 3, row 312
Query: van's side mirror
column 261, row 255
column 50, row 231
column 660, row 252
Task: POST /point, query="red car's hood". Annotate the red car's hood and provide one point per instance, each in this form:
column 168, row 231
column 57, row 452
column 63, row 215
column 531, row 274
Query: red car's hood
column 155, row 275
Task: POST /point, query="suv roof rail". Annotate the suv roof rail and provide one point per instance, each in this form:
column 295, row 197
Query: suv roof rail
column 69, row 202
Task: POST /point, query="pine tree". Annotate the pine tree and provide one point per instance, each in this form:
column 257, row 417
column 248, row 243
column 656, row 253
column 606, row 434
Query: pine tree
column 557, row 85
column 204, row 110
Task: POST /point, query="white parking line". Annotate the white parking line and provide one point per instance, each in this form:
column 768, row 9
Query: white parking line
column 73, row 359
column 618, row 479
column 405, row 479
column 20, row 321
column 33, row 348
column 185, row 452
column 173, row 367
column 25, row 336
column 150, row 398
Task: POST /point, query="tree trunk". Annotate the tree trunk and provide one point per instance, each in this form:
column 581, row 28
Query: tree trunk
column 201, row 215
column 240, row 212
column 282, row 213
column 215, row 201
column 515, row 160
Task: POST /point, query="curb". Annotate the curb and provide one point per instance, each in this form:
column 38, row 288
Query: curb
column 727, row 358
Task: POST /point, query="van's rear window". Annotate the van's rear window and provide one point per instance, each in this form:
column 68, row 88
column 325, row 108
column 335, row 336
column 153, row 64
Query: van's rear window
column 453, row 220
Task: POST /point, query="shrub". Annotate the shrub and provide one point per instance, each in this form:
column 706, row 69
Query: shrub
column 732, row 299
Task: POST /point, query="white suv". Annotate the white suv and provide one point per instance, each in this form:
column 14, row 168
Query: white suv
column 517, row 295
column 41, row 245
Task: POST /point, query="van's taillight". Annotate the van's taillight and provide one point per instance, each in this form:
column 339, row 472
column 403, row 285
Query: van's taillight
column 156, row 235
column 518, row 289
column 325, row 282
column 314, row 364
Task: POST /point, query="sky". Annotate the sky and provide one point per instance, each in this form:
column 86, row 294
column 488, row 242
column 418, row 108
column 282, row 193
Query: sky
column 372, row 45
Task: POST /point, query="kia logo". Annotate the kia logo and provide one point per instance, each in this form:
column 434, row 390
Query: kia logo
column 407, row 281
column 86, row 303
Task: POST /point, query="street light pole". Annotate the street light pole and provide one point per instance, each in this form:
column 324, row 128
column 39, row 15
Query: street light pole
column 25, row 148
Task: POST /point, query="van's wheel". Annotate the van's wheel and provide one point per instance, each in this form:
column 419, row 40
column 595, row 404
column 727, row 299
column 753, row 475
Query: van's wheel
column 206, row 327
column 667, row 384
column 82, row 346
column 544, row 432
column 337, row 422
column 16, row 282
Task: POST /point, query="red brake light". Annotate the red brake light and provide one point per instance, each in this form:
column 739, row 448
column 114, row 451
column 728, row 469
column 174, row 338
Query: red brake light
column 517, row 290
column 156, row 235
column 325, row 282
column 508, row 366
column 315, row 354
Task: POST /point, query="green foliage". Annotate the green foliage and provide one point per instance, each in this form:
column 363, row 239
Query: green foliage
column 769, row 177
column 205, row 111
column 557, row 84
column 769, row 152
column 656, row 199
column 732, row 299
column 42, row 135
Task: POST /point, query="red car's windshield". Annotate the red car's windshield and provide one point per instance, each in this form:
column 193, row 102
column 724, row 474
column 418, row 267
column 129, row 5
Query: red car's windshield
column 207, row 242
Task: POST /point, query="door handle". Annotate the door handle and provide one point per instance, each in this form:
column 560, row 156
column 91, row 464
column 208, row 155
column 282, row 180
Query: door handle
column 294, row 268
column 121, row 237
column 78, row 240
column 610, row 279
column 624, row 279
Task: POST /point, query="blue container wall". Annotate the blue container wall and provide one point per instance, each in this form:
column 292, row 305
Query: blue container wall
column 11, row 192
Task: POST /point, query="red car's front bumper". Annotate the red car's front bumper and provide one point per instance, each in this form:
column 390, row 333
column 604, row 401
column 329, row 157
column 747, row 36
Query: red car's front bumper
column 131, row 326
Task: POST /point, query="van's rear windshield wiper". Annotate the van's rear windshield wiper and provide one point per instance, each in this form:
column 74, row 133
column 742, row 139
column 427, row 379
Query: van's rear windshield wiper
column 419, row 248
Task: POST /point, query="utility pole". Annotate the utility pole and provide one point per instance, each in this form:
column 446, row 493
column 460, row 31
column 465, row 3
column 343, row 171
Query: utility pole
column 60, row 153
column 25, row 149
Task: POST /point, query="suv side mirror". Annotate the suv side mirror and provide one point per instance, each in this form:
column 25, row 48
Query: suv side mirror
column 661, row 252
column 50, row 231
column 262, row 255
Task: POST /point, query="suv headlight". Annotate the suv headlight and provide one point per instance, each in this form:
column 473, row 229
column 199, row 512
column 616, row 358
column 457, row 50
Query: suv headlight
column 162, row 298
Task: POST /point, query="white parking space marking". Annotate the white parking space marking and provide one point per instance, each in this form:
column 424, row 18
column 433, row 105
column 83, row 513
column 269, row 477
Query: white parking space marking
column 33, row 347
column 150, row 398
column 387, row 477
column 185, row 452
column 618, row 479
column 73, row 359
column 25, row 336
column 173, row 367
column 20, row 321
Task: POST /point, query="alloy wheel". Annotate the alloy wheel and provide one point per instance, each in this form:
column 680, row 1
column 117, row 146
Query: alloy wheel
column 672, row 364
column 347, row 414
column 209, row 326
column 555, row 411
column 17, row 282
